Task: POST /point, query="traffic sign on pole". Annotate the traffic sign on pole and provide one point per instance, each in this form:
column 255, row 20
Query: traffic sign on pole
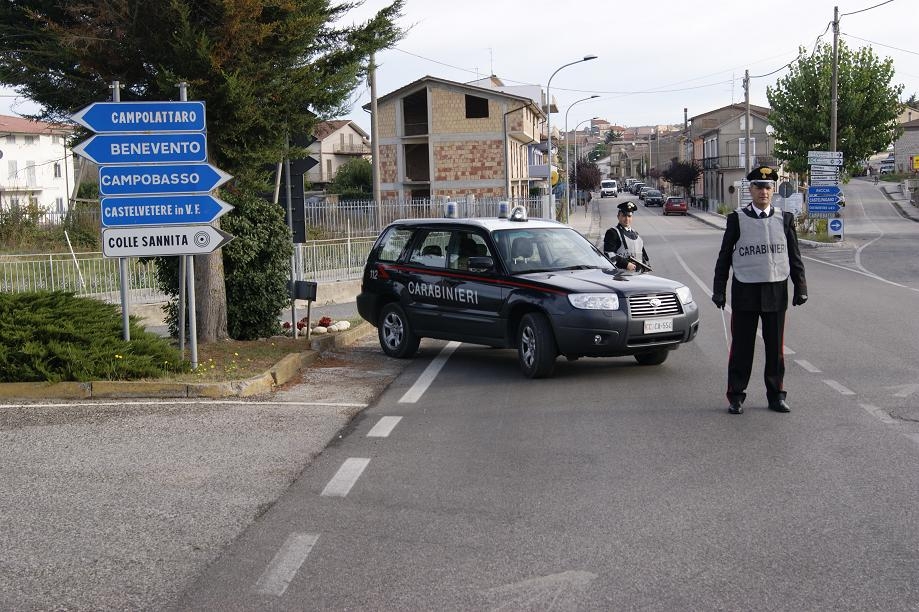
column 825, row 155
column 816, row 199
column 144, row 148
column 162, row 241
column 824, row 167
column 142, row 179
column 821, row 207
column 823, row 190
column 162, row 209
column 120, row 117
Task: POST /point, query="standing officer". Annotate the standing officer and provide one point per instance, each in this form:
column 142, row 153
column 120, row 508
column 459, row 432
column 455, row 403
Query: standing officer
column 623, row 241
column 761, row 246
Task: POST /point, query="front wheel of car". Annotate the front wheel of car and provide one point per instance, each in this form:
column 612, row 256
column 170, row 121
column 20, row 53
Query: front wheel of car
column 652, row 358
column 396, row 336
column 536, row 348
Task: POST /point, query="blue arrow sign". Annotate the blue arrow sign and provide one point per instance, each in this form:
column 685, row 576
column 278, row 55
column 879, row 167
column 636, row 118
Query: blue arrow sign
column 162, row 210
column 119, row 117
column 164, row 178
column 819, row 207
column 823, row 190
column 143, row 148
column 822, row 199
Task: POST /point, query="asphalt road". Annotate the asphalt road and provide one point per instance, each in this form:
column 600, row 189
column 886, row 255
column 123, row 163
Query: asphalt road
column 461, row 485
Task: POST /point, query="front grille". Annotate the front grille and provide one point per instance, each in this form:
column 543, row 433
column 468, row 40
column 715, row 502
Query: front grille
column 641, row 308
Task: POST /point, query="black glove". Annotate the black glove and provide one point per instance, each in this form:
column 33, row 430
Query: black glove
column 798, row 299
column 718, row 299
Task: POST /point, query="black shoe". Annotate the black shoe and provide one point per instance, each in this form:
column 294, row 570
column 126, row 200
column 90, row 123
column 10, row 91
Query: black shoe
column 779, row 406
column 735, row 408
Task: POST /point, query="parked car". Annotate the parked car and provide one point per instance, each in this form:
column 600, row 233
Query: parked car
column 675, row 205
column 536, row 286
column 653, row 197
column 642, row 192
column 635, row 187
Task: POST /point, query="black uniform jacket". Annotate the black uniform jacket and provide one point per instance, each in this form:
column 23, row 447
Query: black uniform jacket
column 759, row 297
column 612, row 241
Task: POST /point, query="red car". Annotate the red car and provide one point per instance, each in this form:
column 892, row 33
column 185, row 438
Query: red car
column 675, row 204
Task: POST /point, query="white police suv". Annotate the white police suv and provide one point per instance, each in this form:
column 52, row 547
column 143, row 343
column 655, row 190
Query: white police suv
column 534, row 285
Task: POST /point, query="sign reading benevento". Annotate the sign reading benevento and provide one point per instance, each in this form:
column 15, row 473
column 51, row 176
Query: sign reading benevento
column 154, row 178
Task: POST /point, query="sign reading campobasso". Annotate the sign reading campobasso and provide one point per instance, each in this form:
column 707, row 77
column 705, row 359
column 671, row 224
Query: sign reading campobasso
column 142, row 179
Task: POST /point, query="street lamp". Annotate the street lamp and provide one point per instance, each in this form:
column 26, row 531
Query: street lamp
column 567, row 146
column 576, row 163
column 586, row 58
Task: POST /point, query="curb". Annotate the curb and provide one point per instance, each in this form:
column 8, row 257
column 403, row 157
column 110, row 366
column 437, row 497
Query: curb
column 282, row 372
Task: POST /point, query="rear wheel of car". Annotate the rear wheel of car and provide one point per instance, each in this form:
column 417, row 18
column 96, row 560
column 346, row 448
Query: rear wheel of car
column 396, row 336
column 536, row 348
column 652, row 358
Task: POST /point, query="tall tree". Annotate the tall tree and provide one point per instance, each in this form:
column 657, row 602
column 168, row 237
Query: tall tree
column 867, row 106
column 265, row 68
column 682, row 174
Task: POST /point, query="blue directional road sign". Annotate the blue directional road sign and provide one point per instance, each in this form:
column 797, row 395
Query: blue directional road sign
column 824, row 190
column 821, row 207
column 821, row 199
column 119, row 117
column 162, row 210
column 144, row 148
column 164, row 178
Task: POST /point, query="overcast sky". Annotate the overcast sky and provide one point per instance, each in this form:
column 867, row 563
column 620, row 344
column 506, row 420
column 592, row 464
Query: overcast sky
column 654, row 57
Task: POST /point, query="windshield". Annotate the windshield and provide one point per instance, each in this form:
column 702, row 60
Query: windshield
column 547, row 249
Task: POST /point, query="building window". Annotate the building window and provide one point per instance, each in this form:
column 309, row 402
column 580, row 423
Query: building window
column 59, row 202
column 328, row 169
column 55, row 139
column 476, row 108
column 57, row 169
column 11, row 139
column 30, row 174
column 12, row 167
column 30, row 139
column 342, row 139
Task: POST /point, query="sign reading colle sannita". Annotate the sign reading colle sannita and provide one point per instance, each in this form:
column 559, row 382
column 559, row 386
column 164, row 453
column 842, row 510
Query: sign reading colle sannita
column 120, row 117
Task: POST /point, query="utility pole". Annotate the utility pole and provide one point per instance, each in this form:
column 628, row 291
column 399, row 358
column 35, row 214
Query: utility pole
column 375, row 142
column 834, row 81
column 746, row 89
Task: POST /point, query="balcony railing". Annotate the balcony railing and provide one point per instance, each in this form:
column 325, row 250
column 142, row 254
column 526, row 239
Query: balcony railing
column 736, row 162
column 351, row 149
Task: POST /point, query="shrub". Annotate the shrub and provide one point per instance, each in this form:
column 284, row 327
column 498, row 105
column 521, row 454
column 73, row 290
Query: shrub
column 55, row 336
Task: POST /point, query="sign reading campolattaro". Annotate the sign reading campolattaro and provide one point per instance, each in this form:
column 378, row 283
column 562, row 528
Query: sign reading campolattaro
column 151, row 241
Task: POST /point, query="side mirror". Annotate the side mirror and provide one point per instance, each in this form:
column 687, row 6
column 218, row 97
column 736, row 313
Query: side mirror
column 481, row 264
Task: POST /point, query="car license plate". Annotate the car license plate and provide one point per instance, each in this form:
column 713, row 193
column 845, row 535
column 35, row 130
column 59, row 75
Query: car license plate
column 656, row 326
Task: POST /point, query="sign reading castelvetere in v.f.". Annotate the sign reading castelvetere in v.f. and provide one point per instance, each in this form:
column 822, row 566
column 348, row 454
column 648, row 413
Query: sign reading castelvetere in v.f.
column 162, row 209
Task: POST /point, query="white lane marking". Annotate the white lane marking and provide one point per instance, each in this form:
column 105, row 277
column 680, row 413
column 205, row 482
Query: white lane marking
column 838, row 387
column 184, row 402
column 285, row 564
column 384, row 427
column 905, row 390
column 427, row 377
column 807, row 365
column 345, row 477
column 879, row 414
column 868, row 274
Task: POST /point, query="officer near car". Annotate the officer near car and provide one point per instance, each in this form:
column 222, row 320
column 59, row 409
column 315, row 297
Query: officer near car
column 760, row 249
column 622, row 242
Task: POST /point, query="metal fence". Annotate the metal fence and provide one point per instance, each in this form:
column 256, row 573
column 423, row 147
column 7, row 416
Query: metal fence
column 87, row 274
column 348, row 230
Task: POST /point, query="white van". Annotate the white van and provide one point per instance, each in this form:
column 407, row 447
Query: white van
column 609, row 188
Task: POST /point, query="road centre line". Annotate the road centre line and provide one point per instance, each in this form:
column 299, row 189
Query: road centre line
column 183, row 402
column 879, row 414
column 384, row 427
column 285, row 564
column 838, row 387
column 345, row 477
column 430, row 373
column 807, row 365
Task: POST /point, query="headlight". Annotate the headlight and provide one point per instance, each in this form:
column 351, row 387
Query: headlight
column 684, row 294
column 594, row 301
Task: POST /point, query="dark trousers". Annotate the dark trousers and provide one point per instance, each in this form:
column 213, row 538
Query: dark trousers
column 743, row 341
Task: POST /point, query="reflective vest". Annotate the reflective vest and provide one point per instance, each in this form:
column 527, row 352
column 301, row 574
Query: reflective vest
column 761, row 253
column 630, row 247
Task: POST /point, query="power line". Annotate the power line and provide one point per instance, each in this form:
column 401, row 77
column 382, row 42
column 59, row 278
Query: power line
column 866, row 9
column 880, row 44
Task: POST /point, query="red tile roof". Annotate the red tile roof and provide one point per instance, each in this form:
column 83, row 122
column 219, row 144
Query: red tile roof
column 18, row 125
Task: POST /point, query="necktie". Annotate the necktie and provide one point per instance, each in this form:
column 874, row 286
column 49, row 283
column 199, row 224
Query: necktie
column 762, row 215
